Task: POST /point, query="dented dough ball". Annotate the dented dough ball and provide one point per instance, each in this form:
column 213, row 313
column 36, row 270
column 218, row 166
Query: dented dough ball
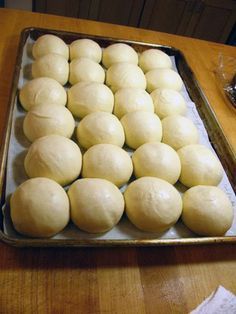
column 179, row 131
column 39, row 208
column 85, row 48
column 86, row 70
column 153, row 58
column 163, row 78
column 96, row 204
column 207, row 210
column 124, row 75
column 152, row 204
column 100, row 128
column 54, row 157
column 87, row 97
column 117, row 53
column 132, row 99
column 47, row 119
column 199, row 166
column 40, row 91
column 50, row 44
column 168, row 102
column 141, row 127
column 53, row 66
column 107, row 161
column 157, row 160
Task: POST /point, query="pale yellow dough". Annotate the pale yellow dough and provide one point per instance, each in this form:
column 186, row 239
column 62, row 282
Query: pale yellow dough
column 132, row 99
column 100, row 128
column 47, row 119
column 156, row 160
column 117, row 53
column 199, row 166
column 179, row 131
column 85, row 70
column 207, row 210
column 85, row 48
column 51, row 65
column 54, row 157
column 40, row 91
column 87, row 97
column 50, row 44
column 153, row 58
column 168, row 102
column 39, row 208
column 107, row 161
column 141, row 127
column 163, row 78
column 96, row 204
column 152, row 204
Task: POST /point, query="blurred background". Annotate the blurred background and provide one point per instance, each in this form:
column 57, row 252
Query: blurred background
column 212, row 20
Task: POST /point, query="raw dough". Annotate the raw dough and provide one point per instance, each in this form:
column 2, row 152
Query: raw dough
column 86, row 70
column 163, row 78
column 42, row 90
column 54, row 157
column 96, row 204
column 207, row 210
column 107, row 161
column 86, row 48
column 168, row 102
column 157, row 160
column 141, row 127
column 199, row 166
column 100, row 128
column 179, row 131
column 47, row 119
column 39, row 208
column 50, row 44
column 117, row 53
column 153, row 58
column 124, row 75
column 53, row 66
column 152, row 204
column 85, row 98
column 132, row 99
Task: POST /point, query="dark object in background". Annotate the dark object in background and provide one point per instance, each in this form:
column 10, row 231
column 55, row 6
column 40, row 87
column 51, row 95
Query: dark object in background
column 2, row 4
column 230, row 91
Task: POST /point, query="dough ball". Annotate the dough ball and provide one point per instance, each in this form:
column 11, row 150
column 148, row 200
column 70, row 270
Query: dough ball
column 39, row 208
column 96, row 205
column 207, row 210
column 85, row 48
column 132, row 99
column 86, row 70
column 141, row 127
column 40, row 91
column 50, row 44
column 87, row 97
column 117, row 53
column 168, row 102
column 48, row 119
column 100, row 128
column 54, row 157
column 153, row 58
column 122, row 75
column 199, row 166
column 152, row 204
column 179, row 131
column 163, row 78
column 107, row 161
column 53, row 66
column 157, row 160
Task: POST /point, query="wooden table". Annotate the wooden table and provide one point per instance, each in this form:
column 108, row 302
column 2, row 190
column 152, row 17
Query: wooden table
column 114, row 280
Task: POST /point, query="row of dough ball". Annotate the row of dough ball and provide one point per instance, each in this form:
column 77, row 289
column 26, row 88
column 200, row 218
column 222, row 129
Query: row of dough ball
column 41, row 208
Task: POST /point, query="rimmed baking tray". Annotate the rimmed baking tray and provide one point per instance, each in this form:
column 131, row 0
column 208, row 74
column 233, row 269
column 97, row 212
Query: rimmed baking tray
column 215, row 134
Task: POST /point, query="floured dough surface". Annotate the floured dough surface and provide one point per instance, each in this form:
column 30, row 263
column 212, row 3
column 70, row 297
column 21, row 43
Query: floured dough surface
column 117, row 53
column 163, row 78
column 154, row 58
column 85, row 48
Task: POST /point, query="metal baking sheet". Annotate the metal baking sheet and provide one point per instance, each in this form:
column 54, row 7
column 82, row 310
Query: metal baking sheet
column 124, row 233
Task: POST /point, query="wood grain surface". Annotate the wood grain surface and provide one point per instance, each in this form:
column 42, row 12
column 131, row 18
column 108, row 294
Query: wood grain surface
column 115, row 280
